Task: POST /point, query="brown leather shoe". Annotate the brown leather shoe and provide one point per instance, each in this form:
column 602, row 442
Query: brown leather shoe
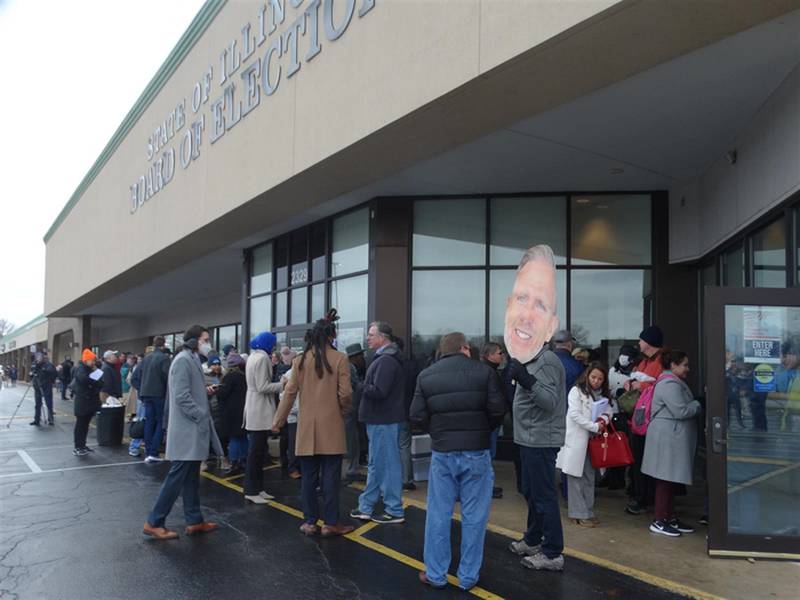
column 587, row 523
column 309, row 529
column 201, row 528
column 159, row 533
column 339, row 529
column 423, row 578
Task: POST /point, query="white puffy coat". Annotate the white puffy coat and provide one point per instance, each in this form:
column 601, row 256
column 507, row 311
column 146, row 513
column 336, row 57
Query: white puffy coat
column 579, row 428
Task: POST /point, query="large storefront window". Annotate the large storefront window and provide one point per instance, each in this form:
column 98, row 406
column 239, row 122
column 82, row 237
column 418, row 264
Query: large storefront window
column 603, row 251
column 733, row 267
column 295, row 278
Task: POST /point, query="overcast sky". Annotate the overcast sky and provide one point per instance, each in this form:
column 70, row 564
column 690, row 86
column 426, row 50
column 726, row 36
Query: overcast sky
column 69, row 73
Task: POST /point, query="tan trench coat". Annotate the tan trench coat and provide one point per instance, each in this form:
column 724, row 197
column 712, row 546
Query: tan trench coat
column 320, row 424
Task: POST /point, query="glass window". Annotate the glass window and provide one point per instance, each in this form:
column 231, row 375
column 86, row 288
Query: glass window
column 611, row 230
column 261, row 270
column 281, row 308
column 350, row 243
column 607, row 304
column 449, row 233
column 318, row 251
column 299, row 314
column 349, row 298
column 769, row 256
column 446, row 301
column 226, row 335
column 238, row 343
column 260, row 315
column 317, row 301
column 519, row 223
column 733, row 267
column 501, row 282
column 299, row 257
column 281, row 263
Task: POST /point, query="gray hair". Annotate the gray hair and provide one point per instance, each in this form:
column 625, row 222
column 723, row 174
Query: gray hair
column 542, row 253
column 108, row 354
column 384, row 329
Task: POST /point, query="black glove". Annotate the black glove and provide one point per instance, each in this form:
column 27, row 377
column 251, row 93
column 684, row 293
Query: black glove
column 520, row 374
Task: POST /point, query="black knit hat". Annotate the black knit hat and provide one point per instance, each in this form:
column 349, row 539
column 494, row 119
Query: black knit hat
column 653, row 336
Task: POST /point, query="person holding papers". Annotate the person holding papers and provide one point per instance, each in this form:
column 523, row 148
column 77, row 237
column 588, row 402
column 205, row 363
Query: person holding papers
column 88, row 383
column 588, row 413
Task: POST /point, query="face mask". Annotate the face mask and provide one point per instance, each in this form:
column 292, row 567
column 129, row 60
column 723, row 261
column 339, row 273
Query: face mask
column 624, row 361
column 204, row 349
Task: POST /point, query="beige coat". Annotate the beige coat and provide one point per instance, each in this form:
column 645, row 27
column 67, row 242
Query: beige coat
column 259, row 404
column 320, row 423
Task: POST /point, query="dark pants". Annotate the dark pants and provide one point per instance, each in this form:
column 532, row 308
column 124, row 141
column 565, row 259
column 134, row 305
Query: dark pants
column 183, row 480
column 665, row 500
column 254, row 472
column 352, row 433
column 758, row 409
column 283, row 447
column 539, row 488
column 81, row 430
column 64, row 385
column 517, row 466
column 153, row 424
column 322, row 470
column 642, row 486
column 291, row 439
column 45, row 393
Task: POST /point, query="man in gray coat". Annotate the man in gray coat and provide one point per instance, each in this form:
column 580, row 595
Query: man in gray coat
column 190, row 432
column 540, row 405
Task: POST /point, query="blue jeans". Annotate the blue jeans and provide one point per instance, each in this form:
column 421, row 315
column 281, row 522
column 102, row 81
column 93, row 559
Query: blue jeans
column 183, row 480
column 539, row 489
column 136, row 443
column 384, row 472
column 466, row 476
column 154, row 424
column 237, row 448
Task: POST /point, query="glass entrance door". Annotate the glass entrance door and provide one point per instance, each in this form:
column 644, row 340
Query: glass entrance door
column 753, row 421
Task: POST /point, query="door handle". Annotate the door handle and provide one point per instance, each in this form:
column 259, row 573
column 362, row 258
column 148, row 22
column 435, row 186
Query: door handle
column 719, row 436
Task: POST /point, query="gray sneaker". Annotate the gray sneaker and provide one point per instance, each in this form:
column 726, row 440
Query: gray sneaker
column 540, row 562
column 521, row 548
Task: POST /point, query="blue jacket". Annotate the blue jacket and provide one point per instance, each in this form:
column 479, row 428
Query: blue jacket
column 572, row 367
column 383, row 395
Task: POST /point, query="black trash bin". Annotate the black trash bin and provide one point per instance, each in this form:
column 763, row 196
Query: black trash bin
column 110, row 425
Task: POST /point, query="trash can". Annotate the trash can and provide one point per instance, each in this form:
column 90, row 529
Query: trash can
column 110, row 425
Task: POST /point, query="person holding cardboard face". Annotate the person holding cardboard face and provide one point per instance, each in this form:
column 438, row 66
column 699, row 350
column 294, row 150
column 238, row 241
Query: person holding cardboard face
column 539, row 404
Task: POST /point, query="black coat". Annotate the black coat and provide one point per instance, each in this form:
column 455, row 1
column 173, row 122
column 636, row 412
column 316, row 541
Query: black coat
column 155, row 370
column 45, row 374
column 66, row 371
column 87, row 392
column 112, row 380
column 461, row 401
column 383, row 396
column 231, row 396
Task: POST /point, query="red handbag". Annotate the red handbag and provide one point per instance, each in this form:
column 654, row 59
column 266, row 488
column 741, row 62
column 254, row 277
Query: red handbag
column 610, row 449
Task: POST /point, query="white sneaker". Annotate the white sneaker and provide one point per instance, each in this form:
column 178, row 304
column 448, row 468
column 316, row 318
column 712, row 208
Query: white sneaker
column 257, row 499
column 266, row 496
column 153, row 459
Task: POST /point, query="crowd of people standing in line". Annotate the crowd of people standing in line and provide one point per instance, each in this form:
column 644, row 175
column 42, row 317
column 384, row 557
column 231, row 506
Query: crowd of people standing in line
column 322, row 401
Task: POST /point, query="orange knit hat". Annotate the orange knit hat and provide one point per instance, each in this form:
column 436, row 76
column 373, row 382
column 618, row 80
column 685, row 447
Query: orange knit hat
column 88, row 355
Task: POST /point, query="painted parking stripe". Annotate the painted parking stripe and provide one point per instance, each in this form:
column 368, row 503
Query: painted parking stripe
column 667, row 584
column 356, row 536
column 29, row 461
column 81, row 468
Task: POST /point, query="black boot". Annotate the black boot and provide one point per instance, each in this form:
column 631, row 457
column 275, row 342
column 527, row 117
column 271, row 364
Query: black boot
column 236, row 469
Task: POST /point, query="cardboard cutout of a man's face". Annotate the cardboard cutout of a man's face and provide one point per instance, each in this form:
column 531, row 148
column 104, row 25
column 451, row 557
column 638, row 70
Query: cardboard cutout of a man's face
column 531, row 319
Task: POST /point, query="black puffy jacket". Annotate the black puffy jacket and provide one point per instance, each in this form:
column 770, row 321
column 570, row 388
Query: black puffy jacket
column 461, row 401
column 87, row 392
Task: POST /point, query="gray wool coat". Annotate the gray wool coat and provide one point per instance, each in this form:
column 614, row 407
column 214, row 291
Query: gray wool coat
column 672, row 433
column 190, row 427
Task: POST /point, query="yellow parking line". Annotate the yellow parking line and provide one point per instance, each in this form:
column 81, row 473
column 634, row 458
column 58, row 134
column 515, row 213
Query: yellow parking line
column 242, row 474
column 356, row 536
column 666, row 584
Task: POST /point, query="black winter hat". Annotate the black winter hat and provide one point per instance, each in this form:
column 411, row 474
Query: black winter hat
column 653, row 336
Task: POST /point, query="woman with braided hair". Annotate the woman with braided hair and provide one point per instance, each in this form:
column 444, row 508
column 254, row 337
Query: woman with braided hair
column 321, row 375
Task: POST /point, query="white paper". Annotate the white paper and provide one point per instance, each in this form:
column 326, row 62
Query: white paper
column 598, row 408
column 639, row 376
column 96, row 374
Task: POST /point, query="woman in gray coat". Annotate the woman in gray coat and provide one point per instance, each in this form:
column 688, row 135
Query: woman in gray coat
column 671, row 440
